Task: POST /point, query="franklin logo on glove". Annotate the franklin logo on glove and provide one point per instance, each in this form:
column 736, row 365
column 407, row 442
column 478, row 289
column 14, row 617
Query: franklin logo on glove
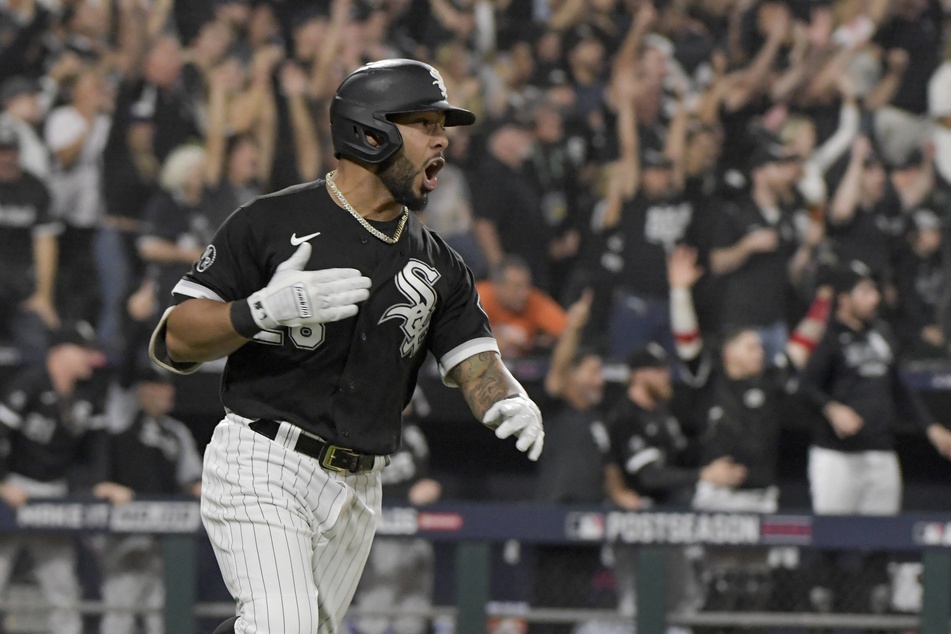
column 303, row 303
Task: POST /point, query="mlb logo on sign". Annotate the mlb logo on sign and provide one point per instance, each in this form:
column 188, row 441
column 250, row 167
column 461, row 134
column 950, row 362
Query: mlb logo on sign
column 585, row 526
column 932, row 534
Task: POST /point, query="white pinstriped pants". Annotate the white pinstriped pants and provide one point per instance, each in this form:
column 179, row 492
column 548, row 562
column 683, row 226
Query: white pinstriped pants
column 859, row 483
column 291, row 538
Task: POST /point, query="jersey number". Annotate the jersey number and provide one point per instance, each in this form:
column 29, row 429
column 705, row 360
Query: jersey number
column 303, row 337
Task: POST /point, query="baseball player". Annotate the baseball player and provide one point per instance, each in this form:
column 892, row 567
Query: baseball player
column 326, row 298
column 150, row 453
column 48, row 420
column 853, row 378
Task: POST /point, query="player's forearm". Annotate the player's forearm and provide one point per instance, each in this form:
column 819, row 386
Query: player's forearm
column 684, row 324
column 200, row 330
column 45, row 259
column 484, row 380
column 728, row 259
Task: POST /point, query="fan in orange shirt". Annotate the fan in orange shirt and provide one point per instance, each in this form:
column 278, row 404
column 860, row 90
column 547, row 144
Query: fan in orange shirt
column 524, row 319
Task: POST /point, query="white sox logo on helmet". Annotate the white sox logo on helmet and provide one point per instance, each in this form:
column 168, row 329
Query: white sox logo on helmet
column 439, row 83
column 415, row 282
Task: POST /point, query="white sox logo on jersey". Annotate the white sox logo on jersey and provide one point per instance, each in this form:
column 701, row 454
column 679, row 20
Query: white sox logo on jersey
column 439, row 83
column 415, row 282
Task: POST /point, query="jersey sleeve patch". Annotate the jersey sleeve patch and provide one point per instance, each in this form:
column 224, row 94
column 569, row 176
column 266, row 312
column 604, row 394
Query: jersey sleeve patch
column 462, row 352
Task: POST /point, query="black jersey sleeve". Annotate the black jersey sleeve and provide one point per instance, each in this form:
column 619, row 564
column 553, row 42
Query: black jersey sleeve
column 226, row 271
column 460, row 328
column 231, row 266
column 39, row 195
column 817, row 373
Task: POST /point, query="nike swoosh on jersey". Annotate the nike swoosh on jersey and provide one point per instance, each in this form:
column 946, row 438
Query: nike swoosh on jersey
column 301, row 240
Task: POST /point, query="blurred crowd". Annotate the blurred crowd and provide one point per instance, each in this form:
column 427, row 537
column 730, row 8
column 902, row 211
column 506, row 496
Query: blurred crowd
column 644, row 176
column 609, row 131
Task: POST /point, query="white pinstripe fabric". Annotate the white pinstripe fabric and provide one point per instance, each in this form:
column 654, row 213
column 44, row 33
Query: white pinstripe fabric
column 291, row 538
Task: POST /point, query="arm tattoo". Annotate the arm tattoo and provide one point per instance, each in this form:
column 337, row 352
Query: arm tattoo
column 484, row 380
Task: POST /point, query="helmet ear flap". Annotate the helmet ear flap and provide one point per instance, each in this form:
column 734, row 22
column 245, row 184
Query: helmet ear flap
column 357, row 134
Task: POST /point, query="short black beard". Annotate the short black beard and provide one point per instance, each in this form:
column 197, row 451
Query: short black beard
column 398, row 174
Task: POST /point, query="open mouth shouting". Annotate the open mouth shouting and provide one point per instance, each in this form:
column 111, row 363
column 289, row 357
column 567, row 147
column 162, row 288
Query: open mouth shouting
column 429, row 172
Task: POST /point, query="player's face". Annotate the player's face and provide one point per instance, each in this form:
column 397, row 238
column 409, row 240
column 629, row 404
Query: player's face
column 656, row 381
column 927, row 241
column 411, row 174
column 589, row 379
column 9, row 163
column 514, row 289
column 157, row 399
column 863, row 301
column 782, row 174
column 657, row 181
column 745, row 353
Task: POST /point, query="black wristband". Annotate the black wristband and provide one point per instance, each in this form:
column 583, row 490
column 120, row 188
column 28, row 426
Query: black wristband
column 241, row 319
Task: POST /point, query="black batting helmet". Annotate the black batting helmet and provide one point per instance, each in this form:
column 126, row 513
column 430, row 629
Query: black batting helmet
column 374, row 92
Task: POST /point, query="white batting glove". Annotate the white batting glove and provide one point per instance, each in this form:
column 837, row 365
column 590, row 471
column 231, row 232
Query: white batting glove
column 295, row 297
column 519, row 416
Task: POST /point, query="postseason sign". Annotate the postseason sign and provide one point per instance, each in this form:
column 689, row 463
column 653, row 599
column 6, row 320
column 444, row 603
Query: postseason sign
column 665, row 528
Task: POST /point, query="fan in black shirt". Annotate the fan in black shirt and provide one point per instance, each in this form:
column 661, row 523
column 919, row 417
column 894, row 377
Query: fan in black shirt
column 853, row 378
column 49, row 421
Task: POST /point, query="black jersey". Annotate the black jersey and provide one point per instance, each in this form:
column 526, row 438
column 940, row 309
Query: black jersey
column 744, row 421
column 346, row 381
column 24, row 212
column 755, row 293
column 43, row 435
column 154, row 456
column 571, row 469
column 860, row 369
column 408, row 465
column 653, row 452
column 637, row 248
column 743, row 418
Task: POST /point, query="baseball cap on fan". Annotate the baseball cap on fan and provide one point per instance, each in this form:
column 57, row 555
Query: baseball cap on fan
column 16, row 86
column 847, row 276
column 80, row 334
column 652, row 355
column 770, row 151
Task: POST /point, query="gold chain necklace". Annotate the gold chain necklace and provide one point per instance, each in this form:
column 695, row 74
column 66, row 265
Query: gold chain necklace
column 366, row 225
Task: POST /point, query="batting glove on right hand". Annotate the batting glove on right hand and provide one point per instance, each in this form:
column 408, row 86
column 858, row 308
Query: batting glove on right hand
column 295, row 297
column 519, row 416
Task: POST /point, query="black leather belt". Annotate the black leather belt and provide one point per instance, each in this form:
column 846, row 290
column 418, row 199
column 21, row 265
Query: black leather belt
column 330, row 456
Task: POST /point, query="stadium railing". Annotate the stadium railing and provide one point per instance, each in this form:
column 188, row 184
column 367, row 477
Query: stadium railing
column 475, row 526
